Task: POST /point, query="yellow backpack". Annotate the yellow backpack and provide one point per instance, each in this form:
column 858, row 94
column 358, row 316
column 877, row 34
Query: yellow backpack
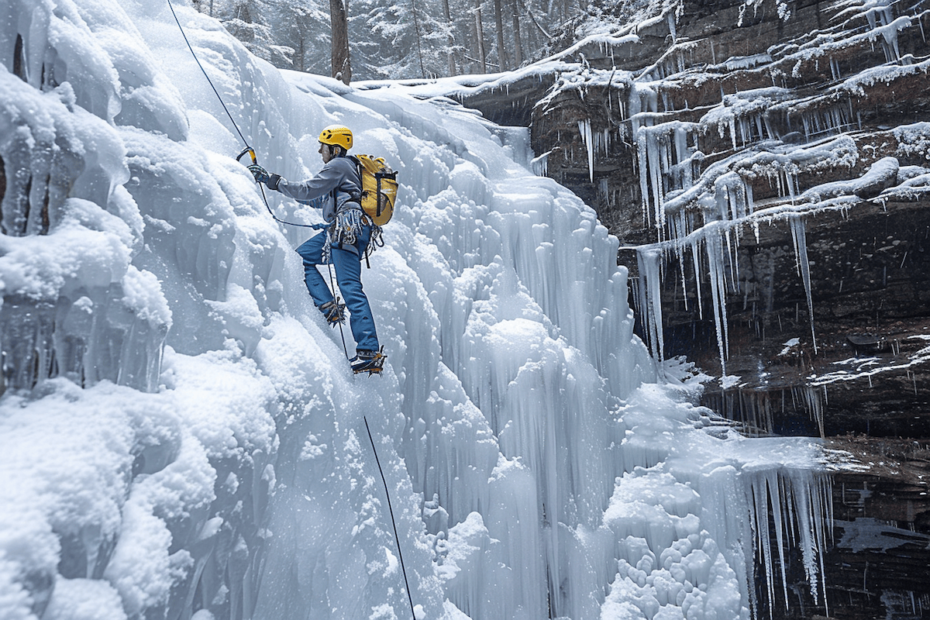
column 379, row 188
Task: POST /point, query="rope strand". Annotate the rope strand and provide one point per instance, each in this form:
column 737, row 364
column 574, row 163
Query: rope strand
column 333, row 287
column 170, row 6
column 393, row 523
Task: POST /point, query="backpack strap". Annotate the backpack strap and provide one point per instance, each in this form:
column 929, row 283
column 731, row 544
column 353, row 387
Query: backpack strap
column 358, row 171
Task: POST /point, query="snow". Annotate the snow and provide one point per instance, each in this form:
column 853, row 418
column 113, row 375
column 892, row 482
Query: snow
column 790, row 345
column 883, row 74
column 471, row 85
column 870, row 366
column 180, row 434
column 871, row 534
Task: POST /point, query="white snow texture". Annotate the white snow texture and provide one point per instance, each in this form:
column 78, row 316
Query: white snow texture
column 180, row 434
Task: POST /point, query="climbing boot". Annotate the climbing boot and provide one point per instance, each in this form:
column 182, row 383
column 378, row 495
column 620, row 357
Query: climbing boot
column 334, row 312
column 368, row 361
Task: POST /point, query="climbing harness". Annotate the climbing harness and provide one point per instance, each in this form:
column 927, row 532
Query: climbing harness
column 393, row 523
column 345, row 230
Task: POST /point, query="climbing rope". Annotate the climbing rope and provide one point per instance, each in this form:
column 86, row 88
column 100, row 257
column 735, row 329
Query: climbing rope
column 248, row 149
column 393, row 523
column 332, row 287
column 197, row 60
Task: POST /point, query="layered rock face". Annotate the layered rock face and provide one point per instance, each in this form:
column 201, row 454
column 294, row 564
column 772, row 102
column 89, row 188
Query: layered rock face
column 766, row 166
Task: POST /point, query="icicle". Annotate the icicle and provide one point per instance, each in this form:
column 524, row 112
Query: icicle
column 540, row 165
column 760, row 524
column 683, row 154
column 799, row 235
column 643, row 169
column 584, row 127
column 815, row 407
column 696, row 257
column 715, row 268
column 655, row 169
column 779, row 494
column 649, row 261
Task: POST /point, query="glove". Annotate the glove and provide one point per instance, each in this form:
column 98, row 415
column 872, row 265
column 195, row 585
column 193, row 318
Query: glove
column 261, row 176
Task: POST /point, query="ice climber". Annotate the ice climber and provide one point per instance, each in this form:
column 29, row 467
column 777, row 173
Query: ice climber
column 337, row 190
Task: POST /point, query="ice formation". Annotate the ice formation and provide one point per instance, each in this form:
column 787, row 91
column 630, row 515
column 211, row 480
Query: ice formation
column 180, row 436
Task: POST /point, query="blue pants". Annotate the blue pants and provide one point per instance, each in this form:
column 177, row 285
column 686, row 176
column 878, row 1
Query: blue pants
column 347, row 261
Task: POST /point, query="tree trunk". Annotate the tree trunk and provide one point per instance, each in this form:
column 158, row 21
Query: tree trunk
column 517, row 43
column 341, row 63
column 499, row 23
column 532, row 17
column 448, row 15
column 482, row 60
column 416, row 27
column 246, row 35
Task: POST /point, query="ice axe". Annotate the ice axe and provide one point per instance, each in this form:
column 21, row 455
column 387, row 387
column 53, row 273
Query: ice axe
column 251, row 152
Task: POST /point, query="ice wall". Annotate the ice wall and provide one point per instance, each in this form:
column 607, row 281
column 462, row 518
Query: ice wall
column 181, row 436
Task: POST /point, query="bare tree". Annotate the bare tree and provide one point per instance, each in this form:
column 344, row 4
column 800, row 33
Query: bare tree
column 341, row 63
column 479, row 32
column 300, row 53
column 451, row 54
column 416, row 27
column 517, row 42
column 499, row 23
column 199, row 6
column 532, row 17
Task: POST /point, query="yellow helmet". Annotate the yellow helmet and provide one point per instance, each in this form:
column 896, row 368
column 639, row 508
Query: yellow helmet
column 337, row 135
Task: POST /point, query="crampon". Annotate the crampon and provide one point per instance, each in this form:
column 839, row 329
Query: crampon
column 334, row 312
column 371, row 362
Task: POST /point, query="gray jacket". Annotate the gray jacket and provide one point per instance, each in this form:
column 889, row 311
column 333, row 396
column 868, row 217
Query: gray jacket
column 341, row 175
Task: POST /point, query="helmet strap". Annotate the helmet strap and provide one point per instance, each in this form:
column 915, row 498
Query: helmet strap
column 335, row 150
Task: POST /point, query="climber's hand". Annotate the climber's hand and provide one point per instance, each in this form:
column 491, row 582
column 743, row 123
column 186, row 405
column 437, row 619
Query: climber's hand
column 261, row 176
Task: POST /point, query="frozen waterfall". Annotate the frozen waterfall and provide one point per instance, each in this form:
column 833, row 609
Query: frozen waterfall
column 181, row 437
